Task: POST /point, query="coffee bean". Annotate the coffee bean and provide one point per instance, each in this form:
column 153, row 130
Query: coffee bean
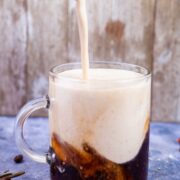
column 18, row 158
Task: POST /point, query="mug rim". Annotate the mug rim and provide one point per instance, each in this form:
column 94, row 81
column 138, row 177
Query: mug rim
column 54, row 71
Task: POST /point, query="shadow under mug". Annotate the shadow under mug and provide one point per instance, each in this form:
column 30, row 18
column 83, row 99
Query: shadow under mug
column 99, row 129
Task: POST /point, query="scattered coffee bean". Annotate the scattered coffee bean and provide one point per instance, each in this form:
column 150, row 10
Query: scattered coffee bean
column 18, row 158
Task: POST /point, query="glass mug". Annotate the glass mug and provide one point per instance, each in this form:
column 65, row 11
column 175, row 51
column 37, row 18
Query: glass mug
column 99, row 128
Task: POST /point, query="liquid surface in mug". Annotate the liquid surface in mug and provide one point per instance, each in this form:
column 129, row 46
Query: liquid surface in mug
column 99, row 117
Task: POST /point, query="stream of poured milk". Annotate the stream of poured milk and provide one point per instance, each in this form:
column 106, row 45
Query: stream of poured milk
column 83, row 34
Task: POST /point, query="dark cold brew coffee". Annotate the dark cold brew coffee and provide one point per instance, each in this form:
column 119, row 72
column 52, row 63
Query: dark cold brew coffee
column 72, row 165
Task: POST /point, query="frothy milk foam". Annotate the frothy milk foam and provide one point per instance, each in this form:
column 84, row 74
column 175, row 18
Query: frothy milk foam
column 113, row 120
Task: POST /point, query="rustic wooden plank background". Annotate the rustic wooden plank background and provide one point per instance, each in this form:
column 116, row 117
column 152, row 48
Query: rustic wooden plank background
column 118, row 29
column 166, row 87
column 13, row 42
column 35, row 35
column 47, row 42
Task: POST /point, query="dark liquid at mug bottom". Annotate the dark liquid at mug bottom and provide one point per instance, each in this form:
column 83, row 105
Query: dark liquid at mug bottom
column 100, row 168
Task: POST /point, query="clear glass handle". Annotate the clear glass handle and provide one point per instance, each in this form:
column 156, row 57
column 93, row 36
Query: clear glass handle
column 22, row 116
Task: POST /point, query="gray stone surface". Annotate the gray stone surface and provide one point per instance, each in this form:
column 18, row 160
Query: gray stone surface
column 164, row 150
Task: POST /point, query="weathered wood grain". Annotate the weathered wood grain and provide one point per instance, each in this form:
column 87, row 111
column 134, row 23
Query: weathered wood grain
column 117, row 30
column 36, row 35
column 166, row 87
column 47, row 42
column 12, row 55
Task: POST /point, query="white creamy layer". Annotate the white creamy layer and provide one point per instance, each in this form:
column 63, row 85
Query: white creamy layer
column 112, row 120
